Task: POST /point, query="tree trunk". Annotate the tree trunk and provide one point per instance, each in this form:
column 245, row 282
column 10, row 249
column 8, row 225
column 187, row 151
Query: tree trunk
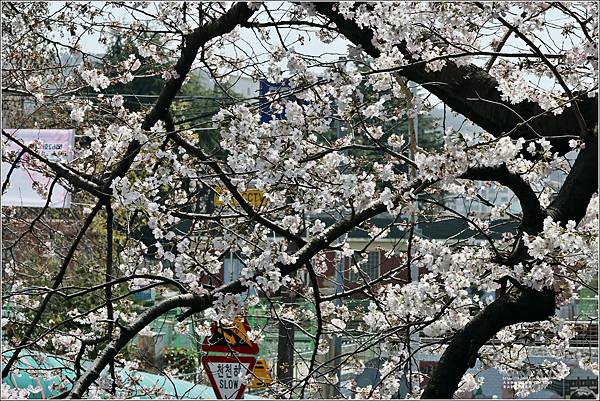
column 521, row 304
column 518, row 305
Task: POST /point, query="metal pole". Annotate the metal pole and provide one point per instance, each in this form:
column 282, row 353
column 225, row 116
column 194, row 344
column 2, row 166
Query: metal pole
column 337, row 340
column 413, row 89
column 409, row 90
column 231, row 273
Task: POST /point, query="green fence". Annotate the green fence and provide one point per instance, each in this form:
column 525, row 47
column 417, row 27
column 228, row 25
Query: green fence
column 588, row 301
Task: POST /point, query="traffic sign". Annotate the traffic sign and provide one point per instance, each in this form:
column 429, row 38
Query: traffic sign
column 261, row 376
column 230, row 339
column 226, row 372
column 266, row 113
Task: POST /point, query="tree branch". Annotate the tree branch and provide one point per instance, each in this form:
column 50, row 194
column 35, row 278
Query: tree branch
column 521, row 304
column 214, row 165
column 57, row 282
column 581, row 183
column 112, row 349
column 198, row 304
column 237, row 14
column 71, row 176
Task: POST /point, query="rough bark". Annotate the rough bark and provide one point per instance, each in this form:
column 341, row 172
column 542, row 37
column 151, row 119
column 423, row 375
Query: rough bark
column 581, row 183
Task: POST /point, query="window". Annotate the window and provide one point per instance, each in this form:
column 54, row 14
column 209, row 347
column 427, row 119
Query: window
column 303, row 276
column 232, row 268
column 370, row 267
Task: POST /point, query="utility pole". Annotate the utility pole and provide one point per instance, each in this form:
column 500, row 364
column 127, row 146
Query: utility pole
column 413, row 132
column 337, row 340
column 285, row 340
column 335, row 350
column 339, row 288
column 285, row 344
column 414, row 270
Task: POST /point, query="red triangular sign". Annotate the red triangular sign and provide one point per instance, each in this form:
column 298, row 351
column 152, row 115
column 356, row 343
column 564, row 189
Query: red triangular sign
column 225, row 374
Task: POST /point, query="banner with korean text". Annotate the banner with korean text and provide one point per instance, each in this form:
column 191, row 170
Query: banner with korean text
column 29, row 183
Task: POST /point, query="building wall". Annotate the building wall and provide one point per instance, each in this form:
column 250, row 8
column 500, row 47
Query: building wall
column 242, row 85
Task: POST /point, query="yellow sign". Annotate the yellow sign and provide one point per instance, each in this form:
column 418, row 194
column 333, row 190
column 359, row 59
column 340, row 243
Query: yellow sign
column 231, row 338
column 255, row 197
column 235, row 335
column 261, row 377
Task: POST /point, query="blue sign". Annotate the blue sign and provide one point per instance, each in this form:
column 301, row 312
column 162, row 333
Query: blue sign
column 266, row 113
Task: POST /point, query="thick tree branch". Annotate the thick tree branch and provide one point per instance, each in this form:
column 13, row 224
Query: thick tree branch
column 455, row 85
column 530, row 205
column 463, row 88
column 112, row 349
column 521, row 304
column 575, row 108
column 581, row 183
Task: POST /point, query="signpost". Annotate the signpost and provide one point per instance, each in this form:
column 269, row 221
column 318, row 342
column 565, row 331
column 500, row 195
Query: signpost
column 227, row 372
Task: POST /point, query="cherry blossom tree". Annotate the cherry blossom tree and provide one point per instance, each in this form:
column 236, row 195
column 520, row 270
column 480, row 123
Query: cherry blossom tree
column 525, row 74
